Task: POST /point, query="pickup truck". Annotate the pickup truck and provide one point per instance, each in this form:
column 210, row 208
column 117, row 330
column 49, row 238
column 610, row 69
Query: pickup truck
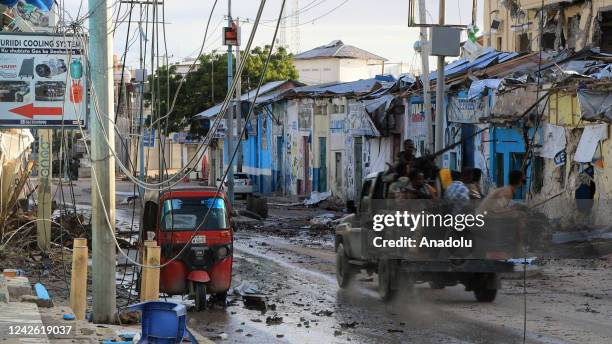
column 354, row 254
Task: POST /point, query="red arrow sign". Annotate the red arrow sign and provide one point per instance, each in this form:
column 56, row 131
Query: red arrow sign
column 30, row 111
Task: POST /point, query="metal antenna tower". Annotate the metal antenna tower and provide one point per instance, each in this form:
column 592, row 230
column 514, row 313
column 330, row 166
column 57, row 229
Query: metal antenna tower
column 282, row 35
column 295, row 24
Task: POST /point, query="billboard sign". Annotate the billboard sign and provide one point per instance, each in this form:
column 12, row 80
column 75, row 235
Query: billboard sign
column 148, row 137
column 185, row 137
column 465, row 110
column 42, row 81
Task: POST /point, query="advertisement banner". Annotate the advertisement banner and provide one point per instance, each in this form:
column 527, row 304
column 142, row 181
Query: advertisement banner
column 464, row 110
column 42, row 81
column 148, row 137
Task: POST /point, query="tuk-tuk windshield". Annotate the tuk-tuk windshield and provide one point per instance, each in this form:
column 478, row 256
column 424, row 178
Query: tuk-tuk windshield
column 188, row 214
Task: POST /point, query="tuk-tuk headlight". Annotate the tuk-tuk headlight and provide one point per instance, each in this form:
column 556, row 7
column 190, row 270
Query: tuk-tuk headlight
column 222, row 252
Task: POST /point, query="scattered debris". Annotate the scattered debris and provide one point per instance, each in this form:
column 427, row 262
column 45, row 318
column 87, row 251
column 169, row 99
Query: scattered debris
column 257, row 205
column 348, row 325
column 392, row 330
column 250, row 214
column 245, row 288
column 46, row 303
column 255, row 302
column 323, row 220
column 587, row 308
column 220, row 336
column 317, row 197
column 129, row 317
column 326, row 313
column 274, row 320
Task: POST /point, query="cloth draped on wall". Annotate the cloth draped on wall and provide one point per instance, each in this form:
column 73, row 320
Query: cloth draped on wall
column 589, row 140
column 553, row 138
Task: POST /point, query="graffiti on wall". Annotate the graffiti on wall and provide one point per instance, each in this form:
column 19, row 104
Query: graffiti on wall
column 359, row 122
column 452, row 158
column 305, row 116
column 416, row 128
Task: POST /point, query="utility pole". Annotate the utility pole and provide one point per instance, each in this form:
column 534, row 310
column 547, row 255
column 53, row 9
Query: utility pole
column 238, row 111
column 440, row 113
column 45, row 161
column 156, row 98
column 229, row 114
column 143, row 77
column 103, row 164
column 425, row 78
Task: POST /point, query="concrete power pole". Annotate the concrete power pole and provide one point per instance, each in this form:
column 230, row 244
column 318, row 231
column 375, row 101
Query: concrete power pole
column 229, row 114
column 425, row 77
column 238, row 112
column 440, row 113
column 103, row 164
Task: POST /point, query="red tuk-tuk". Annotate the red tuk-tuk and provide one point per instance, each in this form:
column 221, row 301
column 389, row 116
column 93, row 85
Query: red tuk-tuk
column 195, row 218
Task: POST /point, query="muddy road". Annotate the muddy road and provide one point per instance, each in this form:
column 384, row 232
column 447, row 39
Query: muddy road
column 297, row 277
column 292, row 264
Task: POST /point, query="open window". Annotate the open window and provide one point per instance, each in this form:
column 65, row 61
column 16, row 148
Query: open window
column 605, row 25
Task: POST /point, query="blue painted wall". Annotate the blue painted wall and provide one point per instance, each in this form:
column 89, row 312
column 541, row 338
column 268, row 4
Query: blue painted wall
column 257, row 152
column 509, row 145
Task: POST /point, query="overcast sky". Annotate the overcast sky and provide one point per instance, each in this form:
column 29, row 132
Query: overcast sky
column 379, row 26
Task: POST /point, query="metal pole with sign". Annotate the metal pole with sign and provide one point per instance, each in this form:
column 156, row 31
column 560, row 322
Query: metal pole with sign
column 231, row 37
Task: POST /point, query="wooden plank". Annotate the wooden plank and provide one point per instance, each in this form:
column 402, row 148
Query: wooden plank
column 78, row 283
column 149, row 290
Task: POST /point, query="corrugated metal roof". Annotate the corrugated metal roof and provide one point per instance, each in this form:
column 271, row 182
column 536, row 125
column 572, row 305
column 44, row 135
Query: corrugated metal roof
column 346, row 88
column 264, row 90
column 337, row 49
column 488, row 58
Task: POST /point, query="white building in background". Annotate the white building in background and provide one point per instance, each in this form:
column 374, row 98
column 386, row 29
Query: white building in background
column 183, row 67
column 337, row 62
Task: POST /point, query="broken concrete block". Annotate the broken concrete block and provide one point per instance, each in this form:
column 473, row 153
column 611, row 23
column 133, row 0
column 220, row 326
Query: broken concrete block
column 18, row 286
column 34, row 299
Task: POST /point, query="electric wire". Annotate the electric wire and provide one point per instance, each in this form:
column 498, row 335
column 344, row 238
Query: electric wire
column 125, row 170
column 239, row 71
column 312, row 20
column 198, row 155
column 180, row 85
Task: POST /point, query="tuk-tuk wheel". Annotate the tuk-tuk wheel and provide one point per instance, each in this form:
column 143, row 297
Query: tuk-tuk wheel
column 344, row 270
column 386, row 275
column 200, row 296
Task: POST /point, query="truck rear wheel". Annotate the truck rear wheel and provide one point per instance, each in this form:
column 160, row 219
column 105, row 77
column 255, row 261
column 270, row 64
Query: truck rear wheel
column 387, row 273
column 344, row 270
column 485, row 295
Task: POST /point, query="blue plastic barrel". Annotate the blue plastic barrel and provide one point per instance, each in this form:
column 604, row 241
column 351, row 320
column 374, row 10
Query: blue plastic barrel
column 162, row 322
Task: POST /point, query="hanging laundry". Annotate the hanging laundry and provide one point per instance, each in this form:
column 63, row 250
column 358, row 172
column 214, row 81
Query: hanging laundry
column 553, row 139
column 589, row 140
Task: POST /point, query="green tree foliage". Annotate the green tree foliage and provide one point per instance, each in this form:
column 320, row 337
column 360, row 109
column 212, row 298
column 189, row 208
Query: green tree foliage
column 206, row 85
